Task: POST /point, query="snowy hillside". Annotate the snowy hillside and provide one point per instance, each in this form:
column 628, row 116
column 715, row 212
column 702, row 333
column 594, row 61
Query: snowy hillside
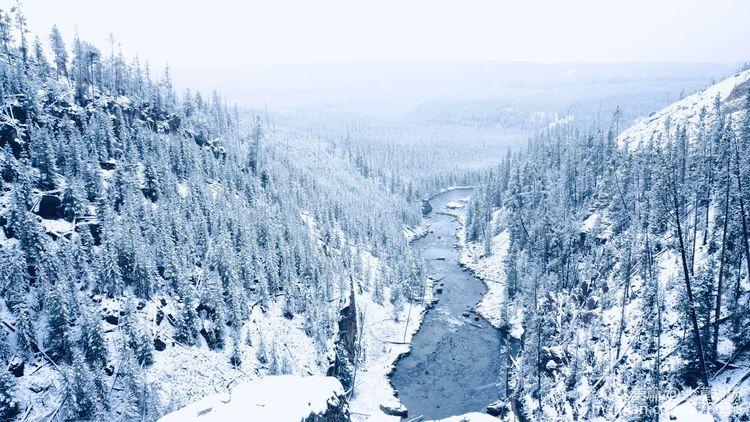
column 623, row 271
column 156, row 249
column 687, row 112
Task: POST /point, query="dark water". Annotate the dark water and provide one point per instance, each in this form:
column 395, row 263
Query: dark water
column 455, row 361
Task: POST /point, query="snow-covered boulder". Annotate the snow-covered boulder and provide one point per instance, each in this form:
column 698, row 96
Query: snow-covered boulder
column 276, row 398
column 454, row 205
column 394, row 408
column 500, row 408
column 470, row 417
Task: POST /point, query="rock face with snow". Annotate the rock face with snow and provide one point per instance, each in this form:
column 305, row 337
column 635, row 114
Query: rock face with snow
column 274, row 399
column 731, row 91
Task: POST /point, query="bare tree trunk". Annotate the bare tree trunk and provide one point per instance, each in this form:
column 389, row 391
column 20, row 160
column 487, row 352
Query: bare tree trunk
column 625, row 295
column 538, row 353
column 717, row 311
column 688, row 287
column 709, row 182
column 657, row 362
column 745, row 245
column 695, row 234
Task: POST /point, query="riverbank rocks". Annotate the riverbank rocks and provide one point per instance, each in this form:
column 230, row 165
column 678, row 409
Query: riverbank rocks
column 426, row 208
column 394, row 408
column 500, row 409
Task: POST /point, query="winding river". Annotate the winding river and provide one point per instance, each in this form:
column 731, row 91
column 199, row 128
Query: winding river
column 455, row 359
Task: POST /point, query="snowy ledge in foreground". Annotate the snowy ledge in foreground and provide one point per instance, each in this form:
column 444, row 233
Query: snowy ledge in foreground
column 275, row 398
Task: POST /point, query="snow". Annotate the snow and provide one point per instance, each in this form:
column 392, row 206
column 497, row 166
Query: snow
column 451, row 188
column 274, row 398
column 57, row 226
column 689, row 413
column 687, row 111
column 183, row 190
column 491, row 270
column 470, row 417
column 184, row 374
column 726, row 386
column 414, row 233
column 454, row 205
column 384, row 339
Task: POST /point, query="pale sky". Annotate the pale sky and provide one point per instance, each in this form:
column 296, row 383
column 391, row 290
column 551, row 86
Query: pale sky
column 224, row 33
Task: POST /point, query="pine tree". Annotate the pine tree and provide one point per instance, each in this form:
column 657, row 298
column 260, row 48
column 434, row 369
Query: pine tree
column 73, row 202
column 45, row 160
column 152, row 190
column 213, row 310
column 9, row 405
column 235, row 359
column 142, row 344
column 25, row 332
column 15, row 276
column 79, row 393
column 261, row 352
column 40, row 61
column 8, row 164
column 59, row 51
column 5, row 350
column 92, row 342
column 139, row 400
column 186, row 318
column 110, row 277
column 58, row 342
column 6, row 36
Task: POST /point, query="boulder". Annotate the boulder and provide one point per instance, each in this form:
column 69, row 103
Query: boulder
column 49, row 206
column 552, row 358
column 592, row 303
column 426, row 207
column 107, row 165
column 37, row 386
column 16, row 368
column 499, row 408
column 159, row 344
column 394, row 408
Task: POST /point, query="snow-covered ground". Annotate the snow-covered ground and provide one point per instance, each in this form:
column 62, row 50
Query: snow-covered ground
column 384, row 339
column 470, row 417
column 276, row 398
column 491, row 270
column 186, row 373
column 687, row 111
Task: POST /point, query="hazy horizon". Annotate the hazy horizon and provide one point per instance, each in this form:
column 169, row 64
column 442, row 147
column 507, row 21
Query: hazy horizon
column 190, row 33
column 292, row 54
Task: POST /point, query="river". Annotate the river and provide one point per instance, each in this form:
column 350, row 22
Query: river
column 455, row 360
